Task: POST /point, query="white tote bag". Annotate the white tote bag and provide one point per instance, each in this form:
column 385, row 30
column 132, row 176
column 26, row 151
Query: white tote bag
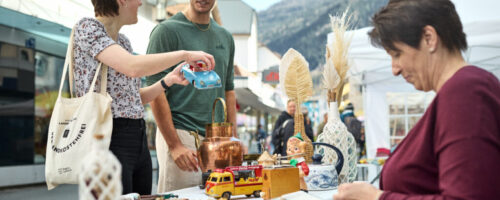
column 73, row 123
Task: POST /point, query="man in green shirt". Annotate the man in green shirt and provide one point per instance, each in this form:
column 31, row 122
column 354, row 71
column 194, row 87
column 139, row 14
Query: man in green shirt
column 184, row 109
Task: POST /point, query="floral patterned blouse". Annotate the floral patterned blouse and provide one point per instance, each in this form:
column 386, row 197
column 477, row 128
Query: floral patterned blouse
column 89, row 40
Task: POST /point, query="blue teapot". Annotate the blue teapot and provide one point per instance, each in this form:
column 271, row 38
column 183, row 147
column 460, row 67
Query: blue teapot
column 324, row 176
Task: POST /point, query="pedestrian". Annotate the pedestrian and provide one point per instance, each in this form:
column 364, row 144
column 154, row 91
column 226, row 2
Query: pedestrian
column 452, row 151
column 261, row 137
column 354, row 126
column 98, row 40
column 321, row 125
column 284, row 129
column 183, row 109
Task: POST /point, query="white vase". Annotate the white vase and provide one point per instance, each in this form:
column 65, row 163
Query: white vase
column 100, row 175
column 336, row 134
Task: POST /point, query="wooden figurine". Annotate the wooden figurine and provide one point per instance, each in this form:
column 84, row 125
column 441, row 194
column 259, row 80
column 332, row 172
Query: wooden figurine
column 297, row 146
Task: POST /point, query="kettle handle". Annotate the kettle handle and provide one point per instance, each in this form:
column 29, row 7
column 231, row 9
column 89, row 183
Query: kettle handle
column 223, row 105
column 340, row 156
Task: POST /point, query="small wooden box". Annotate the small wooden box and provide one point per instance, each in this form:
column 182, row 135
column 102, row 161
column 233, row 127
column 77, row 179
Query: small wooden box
column 279, row 181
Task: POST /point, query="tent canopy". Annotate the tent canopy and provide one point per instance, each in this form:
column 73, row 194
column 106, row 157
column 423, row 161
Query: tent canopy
column 371, row 67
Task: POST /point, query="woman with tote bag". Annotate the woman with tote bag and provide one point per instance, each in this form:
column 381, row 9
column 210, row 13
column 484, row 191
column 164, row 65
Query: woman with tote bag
column 96, row 42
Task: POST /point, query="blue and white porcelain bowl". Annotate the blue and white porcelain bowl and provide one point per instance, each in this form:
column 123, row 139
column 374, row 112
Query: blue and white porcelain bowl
column 321, row 177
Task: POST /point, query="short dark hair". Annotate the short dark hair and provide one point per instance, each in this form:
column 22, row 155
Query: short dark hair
column 404, row 20
column 108, row 8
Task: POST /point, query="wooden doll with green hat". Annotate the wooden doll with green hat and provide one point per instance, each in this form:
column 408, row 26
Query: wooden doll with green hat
column 296, row 147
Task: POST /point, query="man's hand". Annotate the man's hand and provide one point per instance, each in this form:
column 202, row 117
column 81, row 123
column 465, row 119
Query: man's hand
column 184, row 158
column 175, row 77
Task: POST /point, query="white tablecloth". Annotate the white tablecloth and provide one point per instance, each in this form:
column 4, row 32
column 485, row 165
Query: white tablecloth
column 195, row 193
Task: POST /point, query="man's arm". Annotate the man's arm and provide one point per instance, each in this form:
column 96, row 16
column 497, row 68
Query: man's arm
column 231, row 109
column 184, row 158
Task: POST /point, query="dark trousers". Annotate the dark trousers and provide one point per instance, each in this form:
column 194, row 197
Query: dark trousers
column 130, row 146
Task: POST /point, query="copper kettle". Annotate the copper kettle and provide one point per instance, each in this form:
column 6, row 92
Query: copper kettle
column 219, row 149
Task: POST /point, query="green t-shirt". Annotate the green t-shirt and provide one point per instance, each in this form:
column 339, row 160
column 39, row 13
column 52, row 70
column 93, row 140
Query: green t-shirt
column 192, row 108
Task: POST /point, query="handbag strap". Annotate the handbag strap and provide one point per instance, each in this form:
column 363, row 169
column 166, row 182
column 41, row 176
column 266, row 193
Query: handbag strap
column 68, row 63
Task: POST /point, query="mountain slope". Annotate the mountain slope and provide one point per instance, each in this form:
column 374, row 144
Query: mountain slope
column 304, row 24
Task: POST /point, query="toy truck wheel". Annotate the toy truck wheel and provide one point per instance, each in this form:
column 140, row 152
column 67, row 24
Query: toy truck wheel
column 226, row 195
column 256, row 193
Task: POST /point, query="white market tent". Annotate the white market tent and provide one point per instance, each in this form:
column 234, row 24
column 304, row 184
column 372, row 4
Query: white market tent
column 371, row 67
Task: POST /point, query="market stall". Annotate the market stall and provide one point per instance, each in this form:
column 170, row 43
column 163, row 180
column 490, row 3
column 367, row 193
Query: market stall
column 372, row 70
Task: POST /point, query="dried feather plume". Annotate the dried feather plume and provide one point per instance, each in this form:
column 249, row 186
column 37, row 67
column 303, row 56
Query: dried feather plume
column 294, row 76
column 296, row 80
column 337, row 62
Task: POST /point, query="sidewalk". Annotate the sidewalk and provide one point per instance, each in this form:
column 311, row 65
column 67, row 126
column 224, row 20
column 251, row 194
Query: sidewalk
column 40, row 192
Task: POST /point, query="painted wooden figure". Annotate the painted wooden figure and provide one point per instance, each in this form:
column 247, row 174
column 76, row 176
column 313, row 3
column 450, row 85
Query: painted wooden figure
column 297, row 146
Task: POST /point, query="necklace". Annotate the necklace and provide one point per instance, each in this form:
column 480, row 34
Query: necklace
column 195, row 24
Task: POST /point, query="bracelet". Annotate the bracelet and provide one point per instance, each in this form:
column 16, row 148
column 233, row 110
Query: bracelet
column 164, row 85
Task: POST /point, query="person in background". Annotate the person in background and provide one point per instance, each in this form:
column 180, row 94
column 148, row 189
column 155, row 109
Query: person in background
column 99, row 40
column 261, row 137
column 181, row 110
column 305, row 113
column 321, row 125
column 354, row 126
column 453, row 150
column 283, row 129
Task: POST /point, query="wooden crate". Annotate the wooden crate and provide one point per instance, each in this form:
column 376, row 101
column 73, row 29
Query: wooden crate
column 279, row 181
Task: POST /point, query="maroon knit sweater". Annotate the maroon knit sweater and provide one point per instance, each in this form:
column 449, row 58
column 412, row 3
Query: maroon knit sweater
column 453, row 152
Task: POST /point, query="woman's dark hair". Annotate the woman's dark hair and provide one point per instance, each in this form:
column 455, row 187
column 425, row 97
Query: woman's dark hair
column 107, row 8
column 404, row 20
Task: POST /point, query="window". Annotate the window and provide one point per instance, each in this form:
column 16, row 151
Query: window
column 213, row 179
column 405, row 109
column 227, row 179
column 16, row 105
column 29, row 84
column 48, row 72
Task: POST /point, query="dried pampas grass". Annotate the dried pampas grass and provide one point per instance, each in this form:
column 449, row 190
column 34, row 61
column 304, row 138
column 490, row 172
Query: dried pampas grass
column 337, row 62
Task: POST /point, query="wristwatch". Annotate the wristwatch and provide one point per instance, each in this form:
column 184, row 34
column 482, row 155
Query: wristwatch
column 164, row 85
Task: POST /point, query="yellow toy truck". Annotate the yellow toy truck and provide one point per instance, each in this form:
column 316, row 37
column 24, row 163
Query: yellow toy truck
column 235, row 180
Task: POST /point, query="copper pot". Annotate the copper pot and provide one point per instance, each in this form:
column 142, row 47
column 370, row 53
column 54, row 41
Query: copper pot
column 219, row 149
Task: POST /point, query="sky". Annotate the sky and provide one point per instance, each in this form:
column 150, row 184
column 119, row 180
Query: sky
column 260, row 5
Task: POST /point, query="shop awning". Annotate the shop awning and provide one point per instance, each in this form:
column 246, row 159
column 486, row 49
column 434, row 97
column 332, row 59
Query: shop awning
column 246, row 96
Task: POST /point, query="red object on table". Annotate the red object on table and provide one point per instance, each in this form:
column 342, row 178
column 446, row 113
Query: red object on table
column 381, row 152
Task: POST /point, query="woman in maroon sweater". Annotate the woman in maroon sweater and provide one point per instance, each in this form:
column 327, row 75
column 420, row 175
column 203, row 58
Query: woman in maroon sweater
column 453, row 152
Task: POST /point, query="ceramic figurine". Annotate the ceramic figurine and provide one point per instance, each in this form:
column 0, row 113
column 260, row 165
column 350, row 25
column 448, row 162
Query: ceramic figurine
column 296, row 146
